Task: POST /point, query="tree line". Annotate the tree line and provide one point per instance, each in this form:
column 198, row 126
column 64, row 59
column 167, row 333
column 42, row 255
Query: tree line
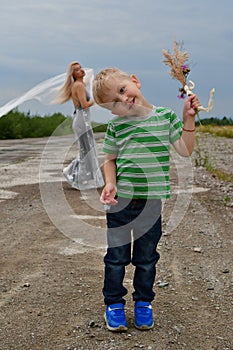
column 18, row 125
column 216, row 121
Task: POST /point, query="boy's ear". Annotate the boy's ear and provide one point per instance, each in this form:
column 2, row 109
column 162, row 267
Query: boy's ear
column 135, row 80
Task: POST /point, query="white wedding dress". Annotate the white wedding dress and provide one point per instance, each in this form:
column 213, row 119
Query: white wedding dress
column 84, row 172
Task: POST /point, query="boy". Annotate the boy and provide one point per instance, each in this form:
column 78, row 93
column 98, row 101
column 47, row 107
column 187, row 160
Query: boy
column 136, row 173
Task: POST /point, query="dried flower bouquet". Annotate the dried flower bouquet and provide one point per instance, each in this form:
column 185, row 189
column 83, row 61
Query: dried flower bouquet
column 180, row 69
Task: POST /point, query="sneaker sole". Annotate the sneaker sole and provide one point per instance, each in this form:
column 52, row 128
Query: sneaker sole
column 121, row 328
column 144, row 327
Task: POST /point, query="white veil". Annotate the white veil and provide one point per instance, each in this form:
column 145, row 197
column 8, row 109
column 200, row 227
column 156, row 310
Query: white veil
column 46, row 92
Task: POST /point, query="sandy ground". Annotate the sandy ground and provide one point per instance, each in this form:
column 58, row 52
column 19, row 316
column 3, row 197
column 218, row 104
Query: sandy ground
column 52, row 242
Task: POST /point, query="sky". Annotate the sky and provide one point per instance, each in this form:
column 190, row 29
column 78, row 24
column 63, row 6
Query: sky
column 39, row 39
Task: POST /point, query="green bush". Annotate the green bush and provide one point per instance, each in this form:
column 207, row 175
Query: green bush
column 99, row 127
column 17, row 125
column 216, row 121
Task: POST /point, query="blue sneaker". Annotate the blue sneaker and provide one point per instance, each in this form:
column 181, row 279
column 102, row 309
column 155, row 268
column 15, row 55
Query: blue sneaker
column 115, row 318
column 143, row 315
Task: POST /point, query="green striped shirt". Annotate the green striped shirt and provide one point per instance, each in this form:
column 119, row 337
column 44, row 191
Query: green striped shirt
column 142, row 147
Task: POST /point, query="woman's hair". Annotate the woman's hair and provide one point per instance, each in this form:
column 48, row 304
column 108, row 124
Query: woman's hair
column 101, row 82
column 65, row 91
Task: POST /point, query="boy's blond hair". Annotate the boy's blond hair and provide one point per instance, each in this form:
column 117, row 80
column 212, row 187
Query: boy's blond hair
column 101, row 82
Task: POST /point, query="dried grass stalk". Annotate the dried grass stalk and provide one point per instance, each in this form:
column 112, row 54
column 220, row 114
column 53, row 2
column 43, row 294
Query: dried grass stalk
column 177, row 62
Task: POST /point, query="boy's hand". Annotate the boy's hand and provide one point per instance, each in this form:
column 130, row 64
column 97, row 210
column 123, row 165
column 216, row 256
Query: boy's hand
column 108, row 194
column 190, row 108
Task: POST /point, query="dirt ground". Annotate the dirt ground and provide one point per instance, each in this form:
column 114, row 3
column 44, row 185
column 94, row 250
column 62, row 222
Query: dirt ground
column 52, row 243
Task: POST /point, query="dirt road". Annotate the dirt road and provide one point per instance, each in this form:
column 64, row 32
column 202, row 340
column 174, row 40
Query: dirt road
column 52, row 242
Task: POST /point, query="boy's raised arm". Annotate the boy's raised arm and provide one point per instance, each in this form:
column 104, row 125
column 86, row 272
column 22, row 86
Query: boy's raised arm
column 185, row 145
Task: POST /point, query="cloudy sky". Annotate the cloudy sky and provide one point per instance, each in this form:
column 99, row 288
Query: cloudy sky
column 40, row 38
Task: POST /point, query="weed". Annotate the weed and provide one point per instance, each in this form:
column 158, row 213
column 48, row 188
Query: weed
column 216, row 130
column 203, row 159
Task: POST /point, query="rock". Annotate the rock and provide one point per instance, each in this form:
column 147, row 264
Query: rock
column 163, row 284
column 226, row 271
column 197, row 249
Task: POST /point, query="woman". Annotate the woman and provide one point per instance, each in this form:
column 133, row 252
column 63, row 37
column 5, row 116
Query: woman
column 84, row 172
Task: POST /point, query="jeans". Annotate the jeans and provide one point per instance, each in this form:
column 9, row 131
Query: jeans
column 134, row 230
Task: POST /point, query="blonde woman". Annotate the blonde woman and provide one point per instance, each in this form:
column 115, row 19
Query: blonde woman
column 84, row 172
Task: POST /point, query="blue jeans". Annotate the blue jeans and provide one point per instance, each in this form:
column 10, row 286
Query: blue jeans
column 134, row 230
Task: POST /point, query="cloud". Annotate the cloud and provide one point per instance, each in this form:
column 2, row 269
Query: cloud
column 39, row 39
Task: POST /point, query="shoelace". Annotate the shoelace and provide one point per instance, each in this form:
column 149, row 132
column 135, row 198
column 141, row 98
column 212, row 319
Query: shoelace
column 117, row 311
column 143, row 309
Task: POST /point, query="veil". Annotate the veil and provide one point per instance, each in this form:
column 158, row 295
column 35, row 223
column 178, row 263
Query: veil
column 46, row 92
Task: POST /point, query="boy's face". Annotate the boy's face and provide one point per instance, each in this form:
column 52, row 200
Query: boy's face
column 123, row 97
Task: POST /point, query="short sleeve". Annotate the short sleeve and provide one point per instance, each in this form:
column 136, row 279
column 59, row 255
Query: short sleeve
column 175, row 127
column 110, row 145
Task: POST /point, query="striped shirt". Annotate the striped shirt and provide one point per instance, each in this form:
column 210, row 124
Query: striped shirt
column 141, row 145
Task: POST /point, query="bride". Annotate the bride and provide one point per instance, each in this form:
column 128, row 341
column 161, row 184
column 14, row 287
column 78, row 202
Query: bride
column 84, row 172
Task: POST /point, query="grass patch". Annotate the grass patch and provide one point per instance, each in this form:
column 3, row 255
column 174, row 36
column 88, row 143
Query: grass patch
column 202, row 158
column 220, row 174
column 216, row 130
